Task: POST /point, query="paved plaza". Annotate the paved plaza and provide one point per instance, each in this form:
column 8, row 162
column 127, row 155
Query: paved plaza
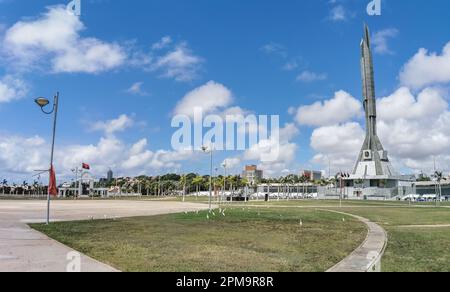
column 25, row 250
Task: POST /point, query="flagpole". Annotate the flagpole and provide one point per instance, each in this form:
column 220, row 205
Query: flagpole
column 52, row 154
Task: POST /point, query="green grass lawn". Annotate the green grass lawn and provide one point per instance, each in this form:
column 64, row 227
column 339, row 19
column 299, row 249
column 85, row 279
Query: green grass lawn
column 310, row 202
column 244, row 241
column 255, row 239
column 412, row 249
column 409, row 249
column 402, row 215
column 417, row 250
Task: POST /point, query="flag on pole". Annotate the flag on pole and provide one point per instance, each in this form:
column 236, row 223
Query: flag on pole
column 86, row 166
column 52, row 189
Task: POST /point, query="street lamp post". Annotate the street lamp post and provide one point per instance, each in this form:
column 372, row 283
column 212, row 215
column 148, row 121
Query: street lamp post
column 216, row 175
column 339, row 176
column 42, row 102
column 209, row 151
column 224, row 165
column 439, row 177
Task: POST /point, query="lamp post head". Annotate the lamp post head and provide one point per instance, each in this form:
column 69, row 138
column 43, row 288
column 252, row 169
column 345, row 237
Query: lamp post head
column 42, row 101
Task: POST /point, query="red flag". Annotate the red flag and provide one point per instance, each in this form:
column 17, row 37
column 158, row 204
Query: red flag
column 86, row 166
column 52, row 189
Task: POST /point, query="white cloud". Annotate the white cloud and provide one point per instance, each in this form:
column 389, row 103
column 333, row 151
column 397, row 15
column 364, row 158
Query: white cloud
column 233, row 162
column 55, row 36
column 426, row 69
column 290, row 66
column 163, row 43
column 138, row 155
column 380, row 40
column 338, row 13
column 12, row 88
column 89, row 56
column 265, row 148
column 414, row 129
column 341, row 108
column 109, row 153
column 210, row 97
column 402, row 104
column 421, row 129
column 289, row 132
column 274, row 48
column 338, row 143
column 136, row 89
column 110, row 127
column 179, row 63
column 168, row 59
column 106, row 153
column 308, row 76
column 22, row 155
column 54, row 39
column 113, row 153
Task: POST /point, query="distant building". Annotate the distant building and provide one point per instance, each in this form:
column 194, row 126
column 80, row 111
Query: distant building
column 252, row 174
column 110, row 176
column 312, row 175
column 431, row 188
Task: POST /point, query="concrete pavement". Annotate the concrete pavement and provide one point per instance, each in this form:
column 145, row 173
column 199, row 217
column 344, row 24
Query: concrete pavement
column 367, row 257
column 25, row 250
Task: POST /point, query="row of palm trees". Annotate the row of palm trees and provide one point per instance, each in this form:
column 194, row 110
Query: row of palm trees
column 22, row 189
column 293, row 179
column 170, row 184
column 175, row 184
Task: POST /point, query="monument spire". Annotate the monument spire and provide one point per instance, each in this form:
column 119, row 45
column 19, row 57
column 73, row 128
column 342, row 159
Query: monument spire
column 368, row 80
column 373, row 160
column 373, row 176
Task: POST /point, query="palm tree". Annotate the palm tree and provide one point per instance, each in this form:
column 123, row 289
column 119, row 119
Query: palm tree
column 220, row 183
column 245, row 183
column 235, row 181
column 182, row 183
column 147, row 186
column 303, row 179
column 197, row 181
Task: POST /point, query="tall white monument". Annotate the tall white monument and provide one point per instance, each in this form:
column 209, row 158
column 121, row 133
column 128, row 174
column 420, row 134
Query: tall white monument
column 373, row 174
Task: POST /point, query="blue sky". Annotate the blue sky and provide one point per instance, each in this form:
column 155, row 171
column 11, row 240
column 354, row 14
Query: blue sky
column 274, row 57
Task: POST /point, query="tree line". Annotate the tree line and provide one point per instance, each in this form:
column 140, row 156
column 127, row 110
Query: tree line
column 192, row 183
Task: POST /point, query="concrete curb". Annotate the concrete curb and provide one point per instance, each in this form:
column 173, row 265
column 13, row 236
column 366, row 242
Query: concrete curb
column 367, row 257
